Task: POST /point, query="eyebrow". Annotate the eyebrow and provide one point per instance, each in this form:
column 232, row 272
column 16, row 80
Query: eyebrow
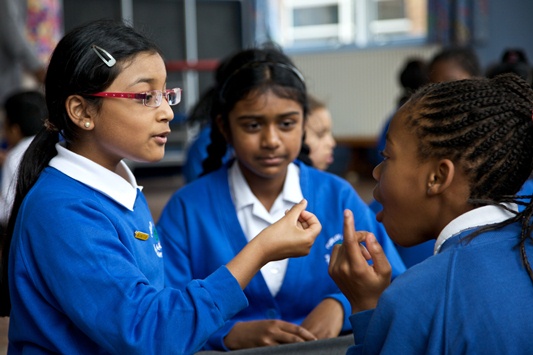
column 252, row 116
column 145, row 80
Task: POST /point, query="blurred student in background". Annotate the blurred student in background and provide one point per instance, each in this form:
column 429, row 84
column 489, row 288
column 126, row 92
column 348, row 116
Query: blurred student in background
column 413, row 75
column 19, row 55
column 318, row 134
column 454, row 63
column 514, row 60
column 25, row 113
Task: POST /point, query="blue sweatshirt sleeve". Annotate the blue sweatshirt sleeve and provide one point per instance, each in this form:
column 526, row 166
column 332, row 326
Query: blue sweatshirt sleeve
column 98, row 285
column 359, row 323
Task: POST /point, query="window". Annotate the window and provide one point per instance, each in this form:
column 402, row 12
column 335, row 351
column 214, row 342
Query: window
column 363, row 23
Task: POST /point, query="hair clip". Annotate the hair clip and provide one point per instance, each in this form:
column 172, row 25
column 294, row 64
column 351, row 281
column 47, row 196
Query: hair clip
column 110, row 61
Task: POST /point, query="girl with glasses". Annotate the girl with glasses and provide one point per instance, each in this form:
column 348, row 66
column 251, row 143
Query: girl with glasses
column 82, row 262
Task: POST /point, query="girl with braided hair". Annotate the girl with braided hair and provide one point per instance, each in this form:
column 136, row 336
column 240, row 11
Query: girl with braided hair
column 456, row 155
column 260, row 111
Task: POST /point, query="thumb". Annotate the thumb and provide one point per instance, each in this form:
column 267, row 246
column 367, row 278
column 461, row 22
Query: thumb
column 381, row 263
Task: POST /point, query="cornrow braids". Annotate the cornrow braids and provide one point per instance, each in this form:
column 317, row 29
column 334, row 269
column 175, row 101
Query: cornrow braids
column 485, row 127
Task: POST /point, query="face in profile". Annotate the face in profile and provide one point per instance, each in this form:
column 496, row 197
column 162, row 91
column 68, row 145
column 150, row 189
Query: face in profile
column 408, row 214
column 319, row 138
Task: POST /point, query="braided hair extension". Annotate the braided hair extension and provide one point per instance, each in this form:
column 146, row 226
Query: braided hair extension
column 485, row 127
column 251, row 71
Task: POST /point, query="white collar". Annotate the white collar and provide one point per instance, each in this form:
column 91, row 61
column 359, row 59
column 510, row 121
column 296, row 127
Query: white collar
column 121, row 188
column 477, row 217
column 243, row 195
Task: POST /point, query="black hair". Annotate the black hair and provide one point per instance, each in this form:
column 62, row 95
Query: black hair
column 485, row 127
column 512, row 61
column 413, row 76
column 252, row 70
column 74, row 69
column 465, row 57
column 27, row 110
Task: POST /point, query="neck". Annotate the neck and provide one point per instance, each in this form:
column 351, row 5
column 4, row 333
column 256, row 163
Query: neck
column 266, row 190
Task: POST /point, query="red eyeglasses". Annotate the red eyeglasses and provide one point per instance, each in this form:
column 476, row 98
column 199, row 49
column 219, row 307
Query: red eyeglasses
column 152, row 98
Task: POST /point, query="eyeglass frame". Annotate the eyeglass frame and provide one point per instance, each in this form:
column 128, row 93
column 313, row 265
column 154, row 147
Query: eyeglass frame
column 142, row 95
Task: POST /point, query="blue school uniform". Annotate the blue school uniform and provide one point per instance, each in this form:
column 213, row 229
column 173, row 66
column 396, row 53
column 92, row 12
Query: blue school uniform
column 526, row 190
column 473, row 297
column 86, row 271
column 200, row 231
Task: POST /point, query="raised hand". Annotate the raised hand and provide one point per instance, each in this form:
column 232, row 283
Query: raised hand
column 291, row 236
column 265, row 333
column 361, row 283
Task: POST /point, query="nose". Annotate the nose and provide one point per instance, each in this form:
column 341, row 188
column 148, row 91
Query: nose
column 332, row 141
column 165, row 112
column 270, row 137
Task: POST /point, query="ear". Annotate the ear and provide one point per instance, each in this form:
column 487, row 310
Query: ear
column 441, row 177
column 223, row 129
column 80, row 112
column 15, row 131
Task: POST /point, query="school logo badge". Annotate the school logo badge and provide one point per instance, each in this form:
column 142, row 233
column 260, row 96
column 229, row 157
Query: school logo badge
column 336, row 239
column 157, row 245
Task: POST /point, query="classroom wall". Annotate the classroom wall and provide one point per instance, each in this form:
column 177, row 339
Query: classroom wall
column 361, row 86
column 510, row 24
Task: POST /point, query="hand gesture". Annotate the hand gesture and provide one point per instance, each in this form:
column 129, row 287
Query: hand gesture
column 265, row 333
column 291, row 236
column 360, row 282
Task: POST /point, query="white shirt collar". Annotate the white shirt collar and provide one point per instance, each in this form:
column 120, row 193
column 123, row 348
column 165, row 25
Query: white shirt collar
column 477, row 217
column 243, row 195
column 121, row 188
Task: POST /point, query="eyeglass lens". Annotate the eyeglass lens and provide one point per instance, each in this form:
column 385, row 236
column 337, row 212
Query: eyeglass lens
column 173, row 96
column 153, row 98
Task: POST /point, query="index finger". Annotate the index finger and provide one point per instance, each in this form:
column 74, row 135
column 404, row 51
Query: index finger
column 352, row 240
